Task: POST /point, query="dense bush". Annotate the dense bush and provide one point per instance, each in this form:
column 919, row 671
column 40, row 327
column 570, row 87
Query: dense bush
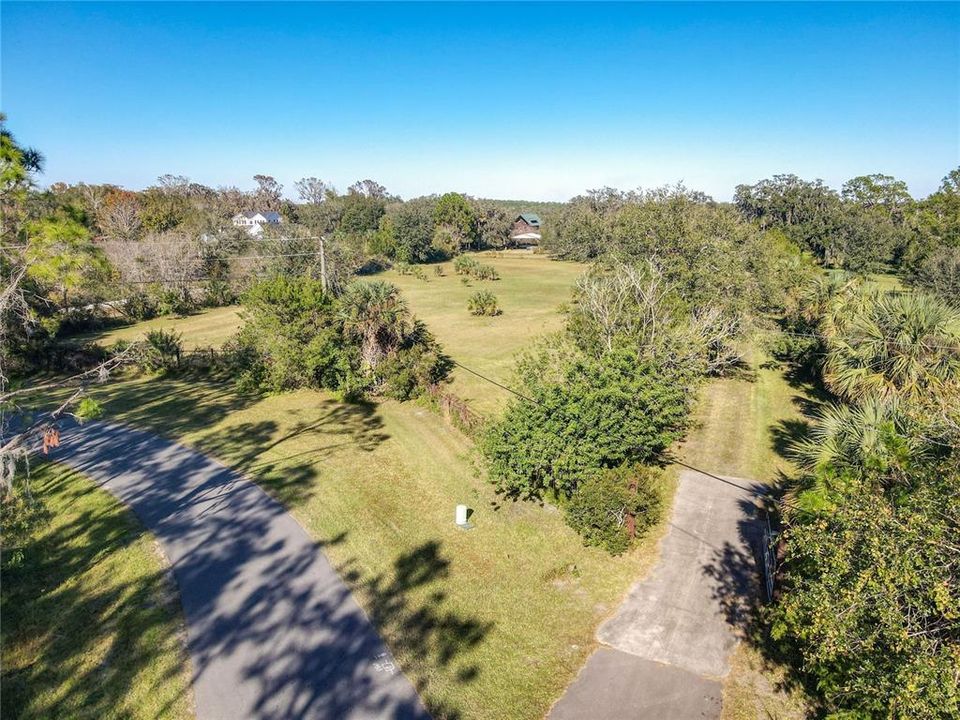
column 291, row 337
column 140, row 306
column 615, row 506
column 418, row 363
column 176, row 301
column 217, row 293
column 485, row 272
column 464, row 265
column 483, row 302
column 870, row 602
column 162, row 350
column 469, row 267
column 939, row 273
column 366, row 341
column 584, row 414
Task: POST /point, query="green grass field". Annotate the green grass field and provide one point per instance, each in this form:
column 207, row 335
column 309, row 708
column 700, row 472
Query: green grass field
column 744, row 423
column 92, row 626
column 208, row 328
column 490, row 622
column 530, row 291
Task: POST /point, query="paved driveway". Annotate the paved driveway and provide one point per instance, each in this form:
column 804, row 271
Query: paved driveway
column 667, row 647
column 273, row 633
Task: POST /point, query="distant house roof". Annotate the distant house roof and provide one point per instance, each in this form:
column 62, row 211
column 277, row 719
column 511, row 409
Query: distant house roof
column 530, row 218
column 269, row 216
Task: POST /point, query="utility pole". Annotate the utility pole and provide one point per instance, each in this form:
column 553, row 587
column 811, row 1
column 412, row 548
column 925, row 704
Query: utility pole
column 323, row 265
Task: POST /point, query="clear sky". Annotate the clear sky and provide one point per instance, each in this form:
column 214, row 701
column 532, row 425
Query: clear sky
column 533, row 101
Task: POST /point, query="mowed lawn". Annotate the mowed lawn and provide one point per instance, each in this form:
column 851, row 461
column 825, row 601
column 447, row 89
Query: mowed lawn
column 745, row 423
column 492, row 622
column 530, row 291
column 207, row 328
column 92, row 626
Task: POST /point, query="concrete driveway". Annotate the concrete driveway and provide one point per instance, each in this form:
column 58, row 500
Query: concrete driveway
column 273, row 633
column 666, row 650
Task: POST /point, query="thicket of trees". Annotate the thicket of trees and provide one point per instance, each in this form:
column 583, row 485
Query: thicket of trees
column 365, row 341
column 668, row 303
column 870, row 601
column 872, row 224
column 172, row 247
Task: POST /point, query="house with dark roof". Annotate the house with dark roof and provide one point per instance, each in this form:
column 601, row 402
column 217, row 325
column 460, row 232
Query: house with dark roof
column 253, row 221
column 526, row 229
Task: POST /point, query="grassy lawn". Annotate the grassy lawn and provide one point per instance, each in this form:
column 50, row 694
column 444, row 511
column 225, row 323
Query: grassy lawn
column 92, row 626
column 744, row 423
column 203, row 329
column 490, row 622
column 530, row 291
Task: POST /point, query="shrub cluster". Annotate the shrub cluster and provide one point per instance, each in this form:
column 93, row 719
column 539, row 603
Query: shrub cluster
column 483, row 302
column 160, row 350
column 363, row 342
column 615, row 506
column 469, row 267
column 592, row 416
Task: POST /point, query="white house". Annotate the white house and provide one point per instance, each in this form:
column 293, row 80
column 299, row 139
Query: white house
column 254, row 221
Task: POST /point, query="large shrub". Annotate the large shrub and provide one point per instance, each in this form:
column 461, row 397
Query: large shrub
column 162, row 350
column 870, row 601
column 583, row 414
column 469, row 267
column 415, row 365
column 612, row 508
column 366, row 341
column 293, row 331
column 939, row 272
column 483, row 303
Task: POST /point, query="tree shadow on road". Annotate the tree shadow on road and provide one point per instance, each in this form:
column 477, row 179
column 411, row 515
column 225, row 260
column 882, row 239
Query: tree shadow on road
column 738, row 574
column 257, row 591
column 173, row 409
column 60, row 614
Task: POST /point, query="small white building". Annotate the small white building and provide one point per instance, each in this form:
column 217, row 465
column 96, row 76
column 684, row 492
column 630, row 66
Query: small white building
column 253, row 221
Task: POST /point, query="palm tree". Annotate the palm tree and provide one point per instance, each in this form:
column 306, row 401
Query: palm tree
column 874, row 434
column 903, row 345
column 375, row 315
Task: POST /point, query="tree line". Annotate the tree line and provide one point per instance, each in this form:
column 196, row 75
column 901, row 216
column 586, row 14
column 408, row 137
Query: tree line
column 871, row 225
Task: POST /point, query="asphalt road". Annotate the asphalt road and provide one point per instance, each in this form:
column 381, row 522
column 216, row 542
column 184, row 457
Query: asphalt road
column 273, row 633
column 666, row 650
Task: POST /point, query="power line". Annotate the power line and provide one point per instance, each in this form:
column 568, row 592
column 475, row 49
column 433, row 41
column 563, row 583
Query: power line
column 200, row 241
column 499, row 385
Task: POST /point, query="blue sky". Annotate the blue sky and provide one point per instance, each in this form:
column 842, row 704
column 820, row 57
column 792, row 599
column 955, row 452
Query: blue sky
column 535, row 101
